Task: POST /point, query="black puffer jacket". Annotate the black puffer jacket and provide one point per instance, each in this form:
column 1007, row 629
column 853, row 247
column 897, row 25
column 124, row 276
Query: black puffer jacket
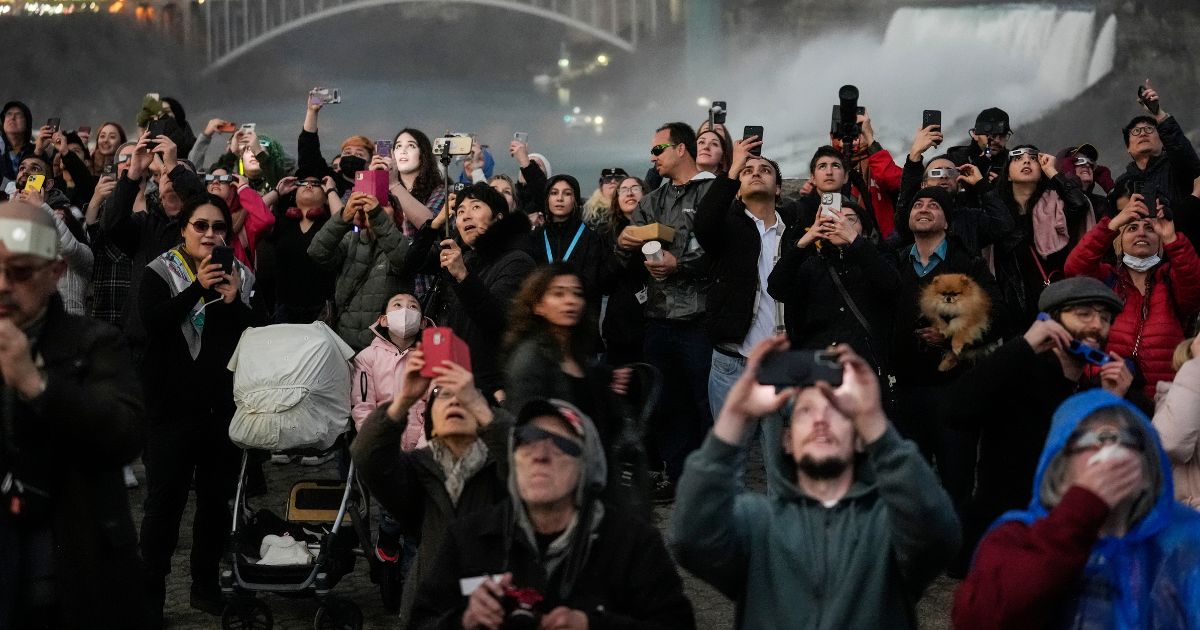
column 477, row 308
column 733, row 245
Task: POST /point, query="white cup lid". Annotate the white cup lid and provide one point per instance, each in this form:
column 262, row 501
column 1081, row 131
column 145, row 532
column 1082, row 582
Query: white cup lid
column 651, row 248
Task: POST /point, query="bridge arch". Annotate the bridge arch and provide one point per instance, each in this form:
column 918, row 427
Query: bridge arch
column 609, row 35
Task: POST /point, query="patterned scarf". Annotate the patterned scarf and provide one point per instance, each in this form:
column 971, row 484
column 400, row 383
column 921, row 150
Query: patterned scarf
column 458, row 471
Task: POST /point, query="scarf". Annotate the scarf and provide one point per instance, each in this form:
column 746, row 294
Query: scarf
column 1050, row 233
column 458, row 471
column 172, row 267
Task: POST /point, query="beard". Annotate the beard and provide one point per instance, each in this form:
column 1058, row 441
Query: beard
column 821, row 469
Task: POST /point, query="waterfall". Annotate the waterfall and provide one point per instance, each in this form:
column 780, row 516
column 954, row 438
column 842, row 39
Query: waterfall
column 1023, row 58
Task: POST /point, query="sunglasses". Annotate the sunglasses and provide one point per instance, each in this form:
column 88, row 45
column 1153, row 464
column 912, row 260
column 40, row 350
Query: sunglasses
column 223, row 179
column 1102, row 437
column 531, row 434
column 121, row 159
column 942, row 173
column 1016, row 153
column 1082, row 161
column 15, row 274
column 309, row 183
column 658, row 149
column 201, row 226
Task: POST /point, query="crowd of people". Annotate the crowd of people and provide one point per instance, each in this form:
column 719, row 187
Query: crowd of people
column 979, row 361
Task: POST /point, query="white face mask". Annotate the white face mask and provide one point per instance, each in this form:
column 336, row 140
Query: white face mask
column 404, row 322
column 1140, row 264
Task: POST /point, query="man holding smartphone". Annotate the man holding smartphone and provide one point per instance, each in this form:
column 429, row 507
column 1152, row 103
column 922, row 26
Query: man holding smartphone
column 1162, row 156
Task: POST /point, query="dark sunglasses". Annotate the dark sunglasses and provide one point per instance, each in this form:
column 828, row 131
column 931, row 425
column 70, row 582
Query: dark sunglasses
column 658, row 149
column 309, row 183
column 530, row 434
column 15, row 274
column 201, row 226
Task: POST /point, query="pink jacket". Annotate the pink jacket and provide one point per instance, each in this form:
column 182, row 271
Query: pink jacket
column 376, row 369
column 1177, row 419
column 258, row 222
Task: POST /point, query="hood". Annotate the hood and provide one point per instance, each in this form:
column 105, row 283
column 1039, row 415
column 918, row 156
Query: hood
column 785, row 477
column 489, row 167
column 595, row 466
column 28, row 119
column 1066, row 419
column 510, row 232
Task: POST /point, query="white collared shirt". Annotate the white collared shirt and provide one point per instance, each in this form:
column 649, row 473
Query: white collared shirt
column 763, row 325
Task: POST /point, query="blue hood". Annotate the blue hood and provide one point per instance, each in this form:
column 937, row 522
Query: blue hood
column 1146, row 578
column 489, row 167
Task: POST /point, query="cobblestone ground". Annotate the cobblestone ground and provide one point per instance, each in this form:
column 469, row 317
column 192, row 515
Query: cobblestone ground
column 713, row 610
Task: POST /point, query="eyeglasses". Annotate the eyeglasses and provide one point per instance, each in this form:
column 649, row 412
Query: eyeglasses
column 658, row 149
column 221, row 179
column 201, row 226
column 942, row 173
column 531, row 434
column 1142, row 131
column 1087, row 312
column 1102, row 437
column 1016, row 153
column 18, row 273
column 629, row 190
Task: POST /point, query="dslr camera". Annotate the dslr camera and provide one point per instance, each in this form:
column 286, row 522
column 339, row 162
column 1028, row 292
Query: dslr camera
column 844, row 125
column 522, row 608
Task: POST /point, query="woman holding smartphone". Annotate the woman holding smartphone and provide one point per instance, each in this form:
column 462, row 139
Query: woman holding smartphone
column 194, row 312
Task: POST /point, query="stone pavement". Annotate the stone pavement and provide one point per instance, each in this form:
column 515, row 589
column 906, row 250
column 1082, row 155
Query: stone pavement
column 713, row 610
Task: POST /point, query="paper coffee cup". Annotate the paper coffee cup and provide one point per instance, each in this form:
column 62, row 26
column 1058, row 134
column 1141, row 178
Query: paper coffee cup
column 652, row 251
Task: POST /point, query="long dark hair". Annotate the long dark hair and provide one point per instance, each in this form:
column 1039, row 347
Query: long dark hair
column 428, row 178
column 615, row 219
column 1005, row 187
column 523, row 322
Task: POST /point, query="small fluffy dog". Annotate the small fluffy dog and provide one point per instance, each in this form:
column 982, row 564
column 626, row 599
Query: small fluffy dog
column 958, row 308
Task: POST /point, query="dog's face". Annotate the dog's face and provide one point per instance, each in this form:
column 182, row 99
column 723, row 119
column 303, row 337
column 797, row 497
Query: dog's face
column 951, row 288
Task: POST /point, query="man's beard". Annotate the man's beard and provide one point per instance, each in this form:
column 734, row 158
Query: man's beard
column 821, row 469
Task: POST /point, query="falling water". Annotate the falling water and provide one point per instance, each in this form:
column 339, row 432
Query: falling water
column 1024, row 58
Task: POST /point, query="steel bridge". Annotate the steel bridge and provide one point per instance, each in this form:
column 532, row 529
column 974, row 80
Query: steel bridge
column 233, row 28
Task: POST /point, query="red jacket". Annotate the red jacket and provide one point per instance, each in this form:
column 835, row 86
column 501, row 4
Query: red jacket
column 1174, row 293
column 258, row 221
column 884, row 185
column 1022, row 573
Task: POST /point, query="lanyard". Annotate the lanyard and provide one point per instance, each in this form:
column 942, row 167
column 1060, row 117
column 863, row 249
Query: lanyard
column 570, row 248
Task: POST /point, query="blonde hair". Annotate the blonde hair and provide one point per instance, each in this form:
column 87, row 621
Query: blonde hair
column 1183, row 353
column 596, row 209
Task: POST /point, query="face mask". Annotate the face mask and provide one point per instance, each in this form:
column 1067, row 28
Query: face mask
column 404, row 322
column 1140, row 264
column 351, row 164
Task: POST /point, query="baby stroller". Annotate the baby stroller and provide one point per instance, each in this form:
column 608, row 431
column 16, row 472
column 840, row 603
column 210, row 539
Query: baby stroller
column 291, row 386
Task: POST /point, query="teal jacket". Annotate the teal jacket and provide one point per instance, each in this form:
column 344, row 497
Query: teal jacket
column 790, row 562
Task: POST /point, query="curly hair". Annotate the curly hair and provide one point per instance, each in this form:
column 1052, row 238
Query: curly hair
column 428, row 178
column 523, row 322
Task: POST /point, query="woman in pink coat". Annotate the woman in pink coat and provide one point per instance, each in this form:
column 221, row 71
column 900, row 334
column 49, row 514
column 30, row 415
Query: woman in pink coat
column 1177, row 419
column 378, row 367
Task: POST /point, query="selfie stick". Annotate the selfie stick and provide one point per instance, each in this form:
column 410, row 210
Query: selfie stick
column 445, row 159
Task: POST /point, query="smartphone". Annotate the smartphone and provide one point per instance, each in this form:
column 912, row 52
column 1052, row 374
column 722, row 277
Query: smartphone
column 441, row 344
column 453, row 145
column 157, row 127
column 383, row 148
column 931, row 117
column 34, row 182
column 324, row 96
column 110, row 170
column 718, row 111
column 227, row 127
column 521, row 136
column 753, row 130
column 223, row 255
column 799, row 368
column 830, row 204
column 84, row 132
column 249, row 127
column 53, row 123
column 374, row 183
column 1153, row 107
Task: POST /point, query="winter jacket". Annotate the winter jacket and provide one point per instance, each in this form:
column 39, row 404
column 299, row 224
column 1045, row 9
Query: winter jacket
column 976, row 227
column 914, row 362
column 10, row 157
column 1172, row 171
column 1177, row 420
column 732, row 243
column 1021, row 272
column 680, row 296
column 477, row 308
column 817, row 315
column 882, row 187
column 1146, row 331
column 377, row 370
column 144, row 235
column 587, row 257
column 73, row 285
column 1050, row 568
column 309, row 160
column 624, row 324
column 71, row 442
column 257, row 225
column 411, row 486
column 369, row 271
column 790, row 562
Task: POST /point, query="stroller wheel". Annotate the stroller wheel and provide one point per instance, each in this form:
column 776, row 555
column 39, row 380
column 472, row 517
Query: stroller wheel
column 391, row 584
column 246, row 613
column 338, row 614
